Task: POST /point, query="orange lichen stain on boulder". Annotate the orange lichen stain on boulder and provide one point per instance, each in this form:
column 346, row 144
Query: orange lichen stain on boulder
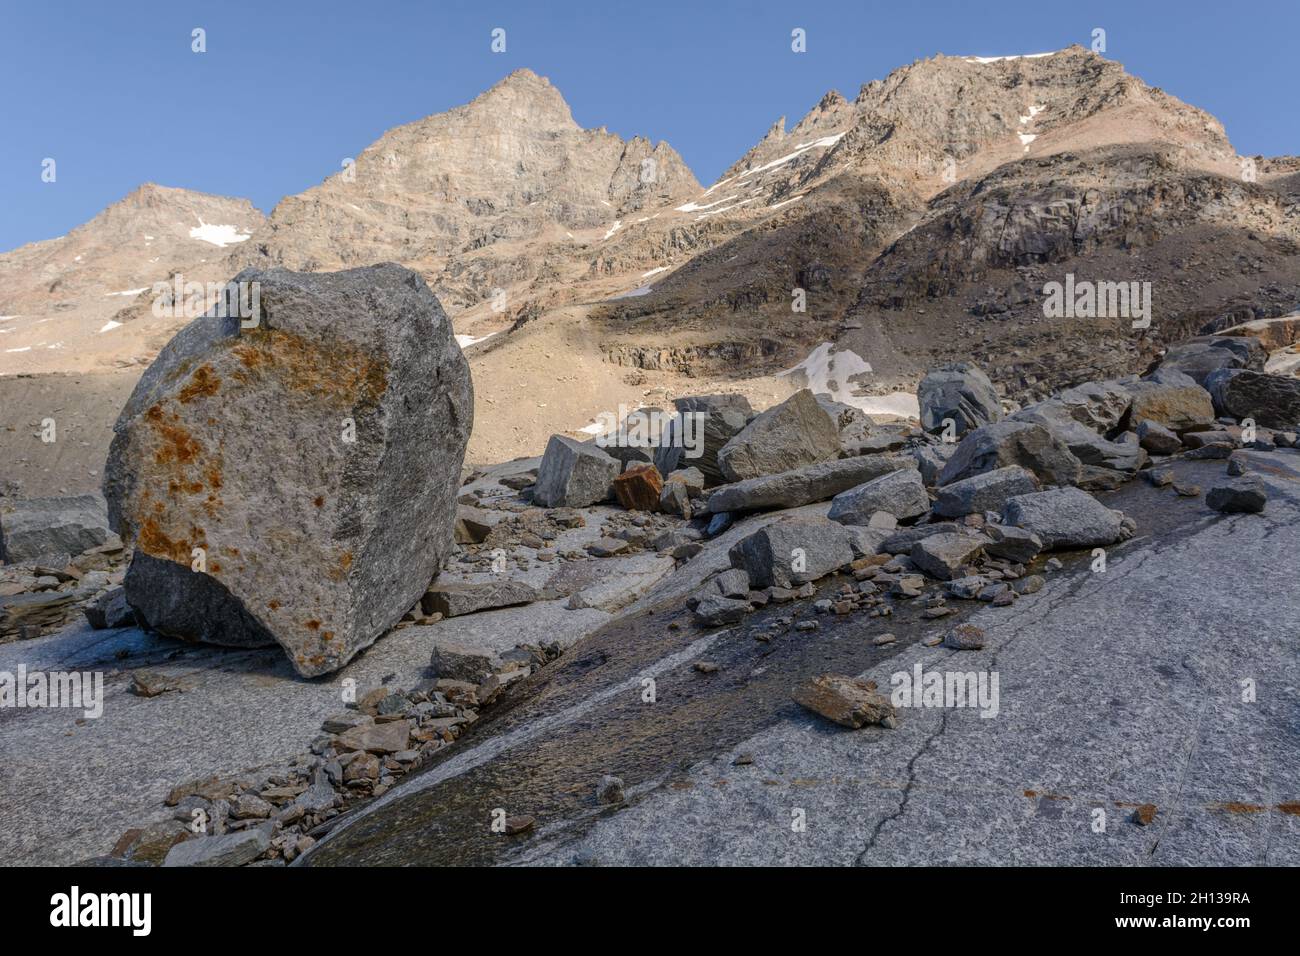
column 154, row 541
column 320, row 501
column 203, row 383
column 213, row 474
column 1291, row 808
column 312, row 625
column 178, row 446
column 338, row 573
column 338, row 369
column 273, row 605
column 1235, row 807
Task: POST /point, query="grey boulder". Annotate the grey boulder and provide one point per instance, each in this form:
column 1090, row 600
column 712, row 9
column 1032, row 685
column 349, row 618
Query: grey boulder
column 801, row 486
column 313, row 456
column 1029, row 445
column 943, row 556
column 34, row 527
column 1066, row 518
column 790, row 435
column 984, row 492
column 574, row 474
column 1245, row 495
column 1172, row 399
column 899, row 493
column 792, row 552
column 456, row 598
column 714, row 421
column 960, row 392
column 1271, row 400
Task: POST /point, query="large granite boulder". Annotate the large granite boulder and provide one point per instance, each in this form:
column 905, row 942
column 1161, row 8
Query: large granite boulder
column 1027, row 444
column 574, row 474
column 899, row 493
column 984, row 492
column 719, row 419
column 32, row 528
column 803, row 486
column 1066, row 518
column 792, row 552
column 1271, row 400
column 294, row 480
column 1084, row 443
column 961, row 392
column 795, row 433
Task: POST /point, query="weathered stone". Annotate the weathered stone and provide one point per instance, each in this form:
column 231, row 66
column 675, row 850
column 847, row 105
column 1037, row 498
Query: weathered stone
column 792, row 552
column 460, row 661
column 229, row 849
column 1158, row 439
column 1271, row 400
column 692, row 478
column 1170, row 398
column 790, row 435
column 714, row 610
column 845, row 700
column 732, row 583
column 964, row 637
column 801, row 486
column 456, row 598
column 473, row 525
column 900, row 493
column 901, row 542
column 231, row 443
column 574, row 474
column 960, row 392
column 385, row 738
column 33, row 610
column 967, row 588
column 1100, row 406
column 1029, row 445
column 854, row 425
column 1198, row 358
column 33, row 527
column 609, row 791
column 984, row 492
column 109, row 610
column 943, row 556
column 721, row 418
column 930, row 460
column 638, row 488
column 1245, row 495
column 1084, row 443
column 1065, row 518
column 675, row 499
column 1011, row 543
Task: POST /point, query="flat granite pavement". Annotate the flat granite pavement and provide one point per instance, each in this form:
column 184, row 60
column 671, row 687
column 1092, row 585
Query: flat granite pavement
column 1170, row 679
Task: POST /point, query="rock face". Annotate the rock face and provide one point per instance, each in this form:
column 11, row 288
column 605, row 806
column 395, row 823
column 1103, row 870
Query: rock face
column 802, row 486
column 795, row 433
column 34, row 527
column 899, row 493
column 961, row 392
column 724, row 417
column 1026, row 444
column 574, row 474
column 786, row 554
column 1065, row 518
column 314, row 458
column 986, row 492
column 1272, row 400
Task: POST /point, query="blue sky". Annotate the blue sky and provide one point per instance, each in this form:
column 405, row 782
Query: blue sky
column 286, row 90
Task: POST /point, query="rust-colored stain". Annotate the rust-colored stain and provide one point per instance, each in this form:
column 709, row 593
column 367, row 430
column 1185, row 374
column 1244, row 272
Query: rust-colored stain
column 1145, row 814
column 320, row 501
column 1031, row 794
column 178, row 446
column 338, row 369
column 327, row 636
column 345, row 563
column 1233, row 807
column 203, row 383
column 154, row 541
column 312, row 625
column 213, row 474
column 1291, row 808
column 273, row 605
